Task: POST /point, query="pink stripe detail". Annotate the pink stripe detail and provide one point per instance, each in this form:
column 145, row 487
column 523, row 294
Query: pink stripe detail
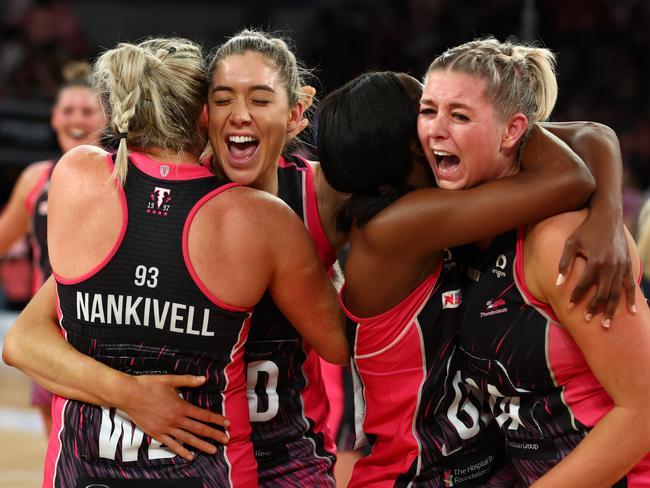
column 186, row 253
column 414, row 296
column 391, row 407
column 315, row 398
column 332, row 375
column 54, row 446
column 118, row 241
column 33, row 194
column 583, row 394
column 238, row 452
column 37, row 272
column 311, row 215
column 177, row 171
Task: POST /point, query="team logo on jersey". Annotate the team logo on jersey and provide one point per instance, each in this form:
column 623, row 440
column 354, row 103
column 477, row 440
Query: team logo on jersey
column 452, row 299
column 501, row 263
column 159, row 201
column 164, row 170
column 494, row 307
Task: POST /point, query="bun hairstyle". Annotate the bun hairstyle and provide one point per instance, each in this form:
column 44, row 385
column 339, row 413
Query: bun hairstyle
column 366, row 133
column 76, row 73
column 153, row 93
column 519, row 78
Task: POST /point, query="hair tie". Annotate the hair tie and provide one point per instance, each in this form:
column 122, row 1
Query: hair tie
column 122, row 135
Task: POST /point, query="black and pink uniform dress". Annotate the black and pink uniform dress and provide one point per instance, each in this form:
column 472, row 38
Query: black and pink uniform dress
column 36, row 205
column 288, row 405
column 144, row 310
column 534, row 377
column 423, row 427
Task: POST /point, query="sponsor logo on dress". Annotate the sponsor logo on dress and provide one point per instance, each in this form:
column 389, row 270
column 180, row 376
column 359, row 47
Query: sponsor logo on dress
column 164, row 170
column 452, row 298
column 494, row 307
column 159, row 201
column 501, row 263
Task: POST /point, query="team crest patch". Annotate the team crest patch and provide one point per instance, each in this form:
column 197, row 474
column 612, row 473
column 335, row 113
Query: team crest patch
column 164, row 170
column 159, row 201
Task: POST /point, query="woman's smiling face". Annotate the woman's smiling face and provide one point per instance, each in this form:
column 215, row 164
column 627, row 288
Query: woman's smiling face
column 249, row 119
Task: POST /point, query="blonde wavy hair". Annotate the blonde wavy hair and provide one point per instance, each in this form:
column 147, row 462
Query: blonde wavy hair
column 153, row 93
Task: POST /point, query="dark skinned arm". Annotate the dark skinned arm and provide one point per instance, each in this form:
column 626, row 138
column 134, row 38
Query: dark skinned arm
column 608, row 267
column 553, row 180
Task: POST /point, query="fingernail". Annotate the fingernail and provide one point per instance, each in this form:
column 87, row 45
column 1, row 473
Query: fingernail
column 607, row 323
column 226, row 423
column 571, row 305
column 633, row 309
column 588, row 316
column 560, row 279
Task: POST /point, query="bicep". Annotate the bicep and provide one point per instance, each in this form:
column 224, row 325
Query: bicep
column 303, row 291
column 14, row 220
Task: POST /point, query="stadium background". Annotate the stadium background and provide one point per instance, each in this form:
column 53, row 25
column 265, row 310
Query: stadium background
column 603, row 73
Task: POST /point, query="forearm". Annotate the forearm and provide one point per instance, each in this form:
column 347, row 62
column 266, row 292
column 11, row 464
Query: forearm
column 605, row 455
column 52, row 362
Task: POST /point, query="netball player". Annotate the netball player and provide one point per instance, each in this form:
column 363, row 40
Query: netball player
column 76, row 119
column 402, row 292
column 289, row 407
column 161, row 277
column 571, row 399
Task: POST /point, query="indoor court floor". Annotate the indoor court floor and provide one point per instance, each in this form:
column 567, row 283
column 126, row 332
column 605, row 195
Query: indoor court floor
column 21, row 428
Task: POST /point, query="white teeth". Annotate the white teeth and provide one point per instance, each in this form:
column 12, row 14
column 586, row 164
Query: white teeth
column 240, row 139
column 77, row 133
column 442, row 153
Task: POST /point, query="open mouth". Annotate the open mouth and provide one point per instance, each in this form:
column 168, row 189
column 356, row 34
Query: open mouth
column 242, row 148
column 446, row 162
column 77, row 133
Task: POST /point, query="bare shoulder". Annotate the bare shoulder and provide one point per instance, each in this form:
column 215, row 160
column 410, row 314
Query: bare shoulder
column 243, row 209
column 82, row 162
column 551, row 233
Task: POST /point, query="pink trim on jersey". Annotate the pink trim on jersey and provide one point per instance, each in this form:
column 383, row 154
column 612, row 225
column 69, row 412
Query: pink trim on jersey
column 583, row 394
column 390, row 358
column 401, row 312
column 176, row 171
column 54, row 446
column 332, row 375
column 238, row 452
column 116, row 245
column 186, row 252
column 30, row 203
column 316, row 399
column 34, row 193
column 311, row 215
column 587, row 399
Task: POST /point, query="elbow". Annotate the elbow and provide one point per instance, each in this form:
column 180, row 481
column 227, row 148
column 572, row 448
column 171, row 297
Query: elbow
column 339, row 355
column 9, row 350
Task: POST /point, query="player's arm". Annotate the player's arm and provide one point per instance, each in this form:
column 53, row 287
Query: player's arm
column 301, row 288
column 14, row 219
column 619, row 357
column 553, row 179
column 609, row 266
column 35, row 345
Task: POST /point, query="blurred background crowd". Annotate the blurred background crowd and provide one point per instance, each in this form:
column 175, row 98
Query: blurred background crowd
column 602, row 47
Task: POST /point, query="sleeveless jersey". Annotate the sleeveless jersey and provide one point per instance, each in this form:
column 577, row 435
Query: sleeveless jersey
column 288, row 406
column 37, row 207
column 424, row 428
column 144, row 310
column 538, row 384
